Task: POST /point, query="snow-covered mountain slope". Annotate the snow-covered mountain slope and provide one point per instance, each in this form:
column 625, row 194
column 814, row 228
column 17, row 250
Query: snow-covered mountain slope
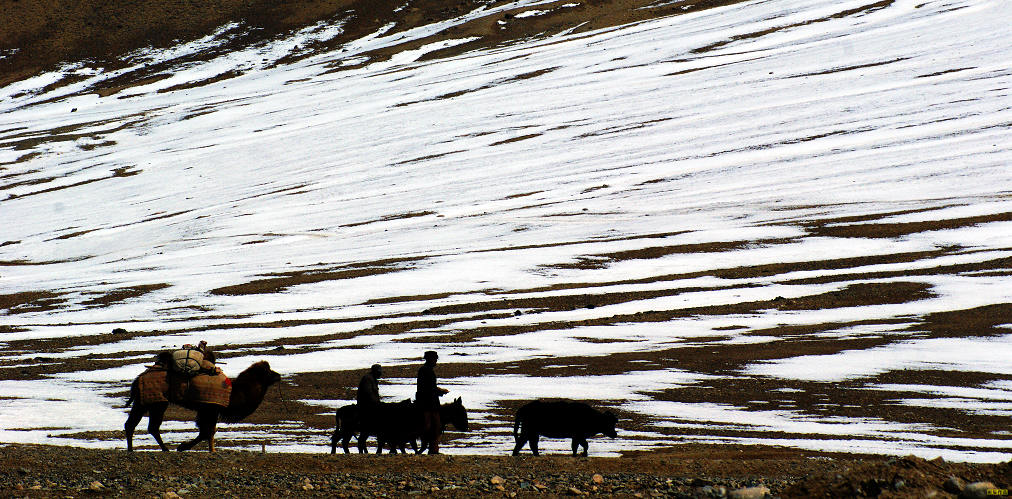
column 769, row 222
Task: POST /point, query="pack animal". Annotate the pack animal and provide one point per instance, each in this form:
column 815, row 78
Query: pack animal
column 348, row 422
column 247, row 392
column 395, row 425
column 563, row 419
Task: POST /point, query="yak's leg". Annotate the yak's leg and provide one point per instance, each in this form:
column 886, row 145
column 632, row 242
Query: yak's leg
column 136, row 414
column 156, row 413
column 521, row 439
column 207, row 423
column 580, row 441
column 534, row 443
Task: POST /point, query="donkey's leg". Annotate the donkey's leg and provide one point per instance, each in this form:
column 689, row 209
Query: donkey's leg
column 345, row 441
column 363, row 442
column 155, row 416
column 337, row 435
column 136, row 414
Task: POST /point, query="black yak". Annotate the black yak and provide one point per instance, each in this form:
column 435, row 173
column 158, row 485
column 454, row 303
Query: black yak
column 560, row 420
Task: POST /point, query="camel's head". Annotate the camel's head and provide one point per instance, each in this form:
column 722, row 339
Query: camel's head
column 248, row 391
column 262, row 372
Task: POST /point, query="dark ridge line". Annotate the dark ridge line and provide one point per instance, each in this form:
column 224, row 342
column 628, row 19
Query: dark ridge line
column 122, row 294
column 278, row 284
column 515, row 139
column 866, row 9
column 849, row 68
column 753, row 271
column 899, row 229
column 425, row 158
column 946, row 72
column 388, row 218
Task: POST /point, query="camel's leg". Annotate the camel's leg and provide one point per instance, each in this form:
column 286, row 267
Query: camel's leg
column 155, row 416
column 207, row 423
column 136, row 414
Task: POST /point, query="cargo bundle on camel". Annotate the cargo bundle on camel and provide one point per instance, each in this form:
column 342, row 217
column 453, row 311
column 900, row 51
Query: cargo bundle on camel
column 206, row 390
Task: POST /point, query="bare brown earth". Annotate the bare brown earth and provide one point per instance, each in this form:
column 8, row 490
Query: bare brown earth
column 37, row 35
column 688, row 471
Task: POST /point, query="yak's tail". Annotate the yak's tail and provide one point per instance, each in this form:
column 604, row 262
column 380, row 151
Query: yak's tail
column 516, row 425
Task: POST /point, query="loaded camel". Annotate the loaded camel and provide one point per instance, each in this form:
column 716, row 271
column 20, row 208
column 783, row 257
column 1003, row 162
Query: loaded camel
column 160, row 387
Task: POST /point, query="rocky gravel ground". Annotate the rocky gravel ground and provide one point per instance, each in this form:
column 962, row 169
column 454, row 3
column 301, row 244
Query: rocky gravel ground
column 691, row 472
